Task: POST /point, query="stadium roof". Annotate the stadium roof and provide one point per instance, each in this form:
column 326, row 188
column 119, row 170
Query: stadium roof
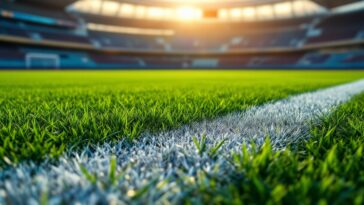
column 325, row 3
column 335, row 3
column 64, row 3
column 54, row 3
column 270, row 10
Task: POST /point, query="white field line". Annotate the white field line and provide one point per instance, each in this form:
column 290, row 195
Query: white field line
column 168, row 156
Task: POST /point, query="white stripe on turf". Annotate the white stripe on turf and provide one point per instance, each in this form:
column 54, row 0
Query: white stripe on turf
column 168, row 156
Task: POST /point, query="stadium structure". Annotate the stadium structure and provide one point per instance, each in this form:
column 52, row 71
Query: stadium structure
column 149, row 34
column 113, row 123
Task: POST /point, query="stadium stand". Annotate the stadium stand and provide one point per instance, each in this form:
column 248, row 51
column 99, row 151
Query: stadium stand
column 339, row 28
column 354, row 58
column 61, row 38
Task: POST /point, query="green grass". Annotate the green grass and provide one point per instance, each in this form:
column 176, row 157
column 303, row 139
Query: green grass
column 328, row 169
column 46, row 113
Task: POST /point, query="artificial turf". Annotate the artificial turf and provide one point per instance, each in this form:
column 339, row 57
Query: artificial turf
column 43, row 114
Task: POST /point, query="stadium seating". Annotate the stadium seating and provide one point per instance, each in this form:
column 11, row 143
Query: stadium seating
column 11, row 57
column 244, row 44
column 314, row 59
column 283, row 35
column 339, row 28
column 29, row 8
column 122, row 41
column 111, row 60
column 354, row 59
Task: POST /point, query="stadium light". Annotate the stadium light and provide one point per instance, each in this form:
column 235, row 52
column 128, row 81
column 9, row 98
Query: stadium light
column 283, row 10
column 188, row 13
column 236, row 13
column 224, row 14
column 140, row 11
column 127, row 9
column 265, row 12
column 249, row 13
column 156, row 12
column 110, row 8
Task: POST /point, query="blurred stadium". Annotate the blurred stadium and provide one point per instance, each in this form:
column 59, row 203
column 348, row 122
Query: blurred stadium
column 290, row 134
column 167, row 34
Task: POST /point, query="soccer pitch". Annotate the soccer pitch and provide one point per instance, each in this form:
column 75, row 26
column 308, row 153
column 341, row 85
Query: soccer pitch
column 53, row 123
